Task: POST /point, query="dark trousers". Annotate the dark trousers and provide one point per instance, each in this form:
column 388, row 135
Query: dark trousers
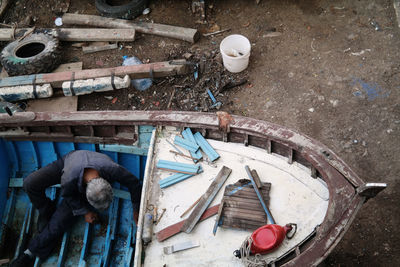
column 62, row 219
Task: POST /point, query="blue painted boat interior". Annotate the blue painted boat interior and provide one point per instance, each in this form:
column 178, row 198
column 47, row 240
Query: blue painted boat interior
column 109, row 243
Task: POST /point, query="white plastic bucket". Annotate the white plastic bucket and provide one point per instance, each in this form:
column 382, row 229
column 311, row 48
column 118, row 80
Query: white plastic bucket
column 235, row 51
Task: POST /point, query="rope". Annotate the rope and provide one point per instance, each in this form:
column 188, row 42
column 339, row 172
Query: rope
column 250, row 260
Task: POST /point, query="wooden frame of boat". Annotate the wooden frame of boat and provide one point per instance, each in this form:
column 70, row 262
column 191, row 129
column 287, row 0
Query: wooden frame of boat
column 347, row 191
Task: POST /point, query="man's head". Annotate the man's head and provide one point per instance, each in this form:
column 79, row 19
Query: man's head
column 99, row 193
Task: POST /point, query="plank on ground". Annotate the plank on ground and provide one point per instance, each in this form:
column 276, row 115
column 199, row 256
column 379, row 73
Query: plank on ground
column 186, row 34
column 77, row 35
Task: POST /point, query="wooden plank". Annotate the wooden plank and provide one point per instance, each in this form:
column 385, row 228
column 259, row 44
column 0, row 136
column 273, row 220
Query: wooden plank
column 241, row 224
column 157, row 69
column 250, row 201
column 243, row 205
column 95, row 35
column 244, row 216
column 244, row 211
column 77, row 35
column 186, row 34
column 57, row 104
column 93, row 49
column 256, row 179
column 260, row 196
column 247, row 194
column 176, row 228
column 206, row 199
column 74, row 66
column 217, row 220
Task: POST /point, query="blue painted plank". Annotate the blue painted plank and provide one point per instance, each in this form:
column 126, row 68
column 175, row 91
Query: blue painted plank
column 28, row 161
column 173, row 179
column 125, row 149
column 179, row 167
column 86, row 244
column 186, row 144
column 187, row 134
column 206, row 147
column 46, row 153
column 85, row 146
column 63, row 148
column 63, row 251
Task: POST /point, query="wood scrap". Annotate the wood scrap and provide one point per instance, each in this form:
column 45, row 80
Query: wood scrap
column 97, row 48
column 206, row 199
column 242, row 208
column 186, row 34
column 176, row 228
column 75, row 34
column 3, row 6
column 190, row 208
column 155, row 70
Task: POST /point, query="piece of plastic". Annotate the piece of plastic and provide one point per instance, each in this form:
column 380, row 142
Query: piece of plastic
column 235, row 51
column 268, row 237
column 147, row 228
column 139, row 84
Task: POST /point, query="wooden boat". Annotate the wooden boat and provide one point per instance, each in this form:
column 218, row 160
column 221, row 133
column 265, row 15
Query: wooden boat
column 293, row 163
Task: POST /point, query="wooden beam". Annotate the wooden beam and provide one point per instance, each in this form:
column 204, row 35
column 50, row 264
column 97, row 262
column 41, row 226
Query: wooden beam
column 158, row 69
column 186, row 34
column 176, row 228
column 92, row 49
column 206, row 199
column 77, row 35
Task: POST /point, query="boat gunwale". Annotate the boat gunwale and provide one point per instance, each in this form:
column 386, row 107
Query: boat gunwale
column 340, row 179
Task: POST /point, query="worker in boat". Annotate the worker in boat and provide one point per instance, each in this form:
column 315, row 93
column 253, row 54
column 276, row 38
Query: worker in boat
column 85, row 179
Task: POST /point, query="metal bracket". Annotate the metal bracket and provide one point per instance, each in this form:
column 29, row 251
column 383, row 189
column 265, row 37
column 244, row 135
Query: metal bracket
column 370, row 190
column 224, row 120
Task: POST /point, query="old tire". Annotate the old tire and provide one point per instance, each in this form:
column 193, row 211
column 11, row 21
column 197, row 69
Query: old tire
column 37, row 53
column 127, row 11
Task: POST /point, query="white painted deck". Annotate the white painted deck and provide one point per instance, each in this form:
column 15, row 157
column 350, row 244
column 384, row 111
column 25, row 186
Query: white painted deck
column 296, row 197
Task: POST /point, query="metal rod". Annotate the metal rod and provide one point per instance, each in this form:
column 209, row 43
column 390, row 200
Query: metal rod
column 269, row 215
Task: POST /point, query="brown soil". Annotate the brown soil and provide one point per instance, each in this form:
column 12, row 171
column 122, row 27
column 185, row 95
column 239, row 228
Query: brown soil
column 330, row 75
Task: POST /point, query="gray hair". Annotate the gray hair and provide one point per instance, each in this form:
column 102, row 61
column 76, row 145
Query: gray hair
column 99, row 193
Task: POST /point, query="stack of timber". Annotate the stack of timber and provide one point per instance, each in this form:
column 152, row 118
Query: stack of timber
column 242, row 208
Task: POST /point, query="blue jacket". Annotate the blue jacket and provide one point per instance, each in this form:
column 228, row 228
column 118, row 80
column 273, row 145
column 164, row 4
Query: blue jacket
column 73, row 189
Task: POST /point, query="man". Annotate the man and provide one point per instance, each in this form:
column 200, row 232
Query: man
column 85, row 179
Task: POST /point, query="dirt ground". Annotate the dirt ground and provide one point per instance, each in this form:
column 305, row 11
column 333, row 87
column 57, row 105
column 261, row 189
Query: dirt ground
column 330, row 75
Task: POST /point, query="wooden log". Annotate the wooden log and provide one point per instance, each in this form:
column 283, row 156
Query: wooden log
column 176, row 228
column 158, row 69
column 186, row 34
column 78, row 35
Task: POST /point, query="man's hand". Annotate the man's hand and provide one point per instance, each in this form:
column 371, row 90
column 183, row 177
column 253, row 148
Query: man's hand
column 91, row 217
column 136, row 216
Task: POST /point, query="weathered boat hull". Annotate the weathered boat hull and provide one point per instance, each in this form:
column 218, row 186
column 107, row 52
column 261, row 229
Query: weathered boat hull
column 347, row 191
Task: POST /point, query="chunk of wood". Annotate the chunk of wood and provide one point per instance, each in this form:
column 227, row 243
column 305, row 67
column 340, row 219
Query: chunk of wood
column 77, row 35
column 186, row 34
column 58, row 104
column 206, row 199
column 158, row 69
column 92, row 49
column 176, row 228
